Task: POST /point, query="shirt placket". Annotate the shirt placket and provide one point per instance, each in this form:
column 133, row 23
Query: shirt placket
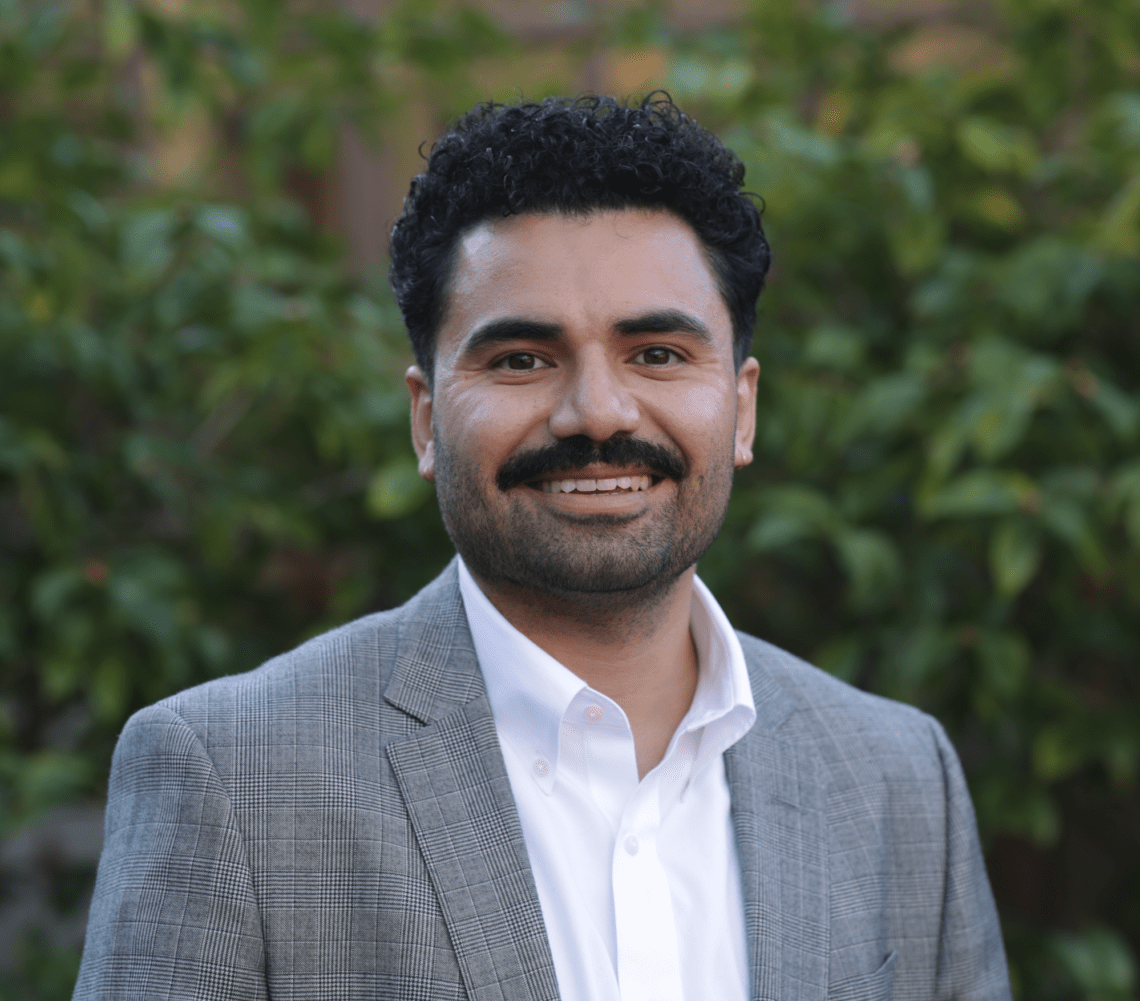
column 647, row 950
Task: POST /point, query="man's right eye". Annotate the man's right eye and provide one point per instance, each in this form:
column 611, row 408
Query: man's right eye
column 522, row 361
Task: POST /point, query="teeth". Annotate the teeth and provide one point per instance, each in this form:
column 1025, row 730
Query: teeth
column 632, row 483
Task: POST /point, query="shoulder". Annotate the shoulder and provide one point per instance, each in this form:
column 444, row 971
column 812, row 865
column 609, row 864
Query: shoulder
column 332, row 682
column 847, row 727
column 355, row 659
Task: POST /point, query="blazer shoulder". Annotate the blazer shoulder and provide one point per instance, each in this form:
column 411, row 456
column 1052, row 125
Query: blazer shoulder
column 349, row 666
column 838, row 718
column 813, row 688
column 361, row 650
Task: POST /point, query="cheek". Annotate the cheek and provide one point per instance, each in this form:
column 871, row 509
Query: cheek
column 699, row 416
column 487, row 427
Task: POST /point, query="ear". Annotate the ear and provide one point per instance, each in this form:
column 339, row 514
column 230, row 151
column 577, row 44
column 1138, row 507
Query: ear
column 422, row 438
column 746, row 381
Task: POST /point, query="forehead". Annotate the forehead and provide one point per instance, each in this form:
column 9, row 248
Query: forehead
column 586, row 271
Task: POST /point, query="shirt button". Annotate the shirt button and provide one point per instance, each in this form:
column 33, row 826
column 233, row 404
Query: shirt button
column 632, row 845
column 593, row 713
column 541, row 767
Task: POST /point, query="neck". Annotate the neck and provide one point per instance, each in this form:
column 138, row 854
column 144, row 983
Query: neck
column 634, row 648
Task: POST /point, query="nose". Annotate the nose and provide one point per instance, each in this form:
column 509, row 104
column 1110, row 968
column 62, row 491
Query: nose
column 596, row 402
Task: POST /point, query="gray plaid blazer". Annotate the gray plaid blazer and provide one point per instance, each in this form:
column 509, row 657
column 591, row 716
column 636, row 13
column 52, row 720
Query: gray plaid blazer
column 338, row 824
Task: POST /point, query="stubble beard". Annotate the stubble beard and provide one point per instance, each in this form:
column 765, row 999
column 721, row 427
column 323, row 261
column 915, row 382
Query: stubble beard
column 608, row 562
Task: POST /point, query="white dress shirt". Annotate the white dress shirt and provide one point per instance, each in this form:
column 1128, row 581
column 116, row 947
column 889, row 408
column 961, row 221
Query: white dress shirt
column 638, row 881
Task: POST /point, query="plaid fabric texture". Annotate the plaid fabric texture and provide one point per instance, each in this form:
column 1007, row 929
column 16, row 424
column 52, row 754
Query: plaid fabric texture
column 339, row 824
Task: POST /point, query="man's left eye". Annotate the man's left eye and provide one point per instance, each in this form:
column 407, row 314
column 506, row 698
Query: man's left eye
column 657, row 356
column 522, row 361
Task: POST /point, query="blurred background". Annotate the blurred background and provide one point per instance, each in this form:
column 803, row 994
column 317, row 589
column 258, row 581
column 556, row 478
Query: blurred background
column 204, row 450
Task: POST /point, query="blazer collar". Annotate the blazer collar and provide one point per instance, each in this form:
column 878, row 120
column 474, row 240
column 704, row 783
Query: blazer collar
column 454, row 783
column 436, row 670
column 779, row 814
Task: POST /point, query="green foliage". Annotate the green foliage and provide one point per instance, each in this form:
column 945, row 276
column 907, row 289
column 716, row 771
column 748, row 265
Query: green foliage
column 197, row 399
column 46, row 973
column 204, row 453
column 943, row 504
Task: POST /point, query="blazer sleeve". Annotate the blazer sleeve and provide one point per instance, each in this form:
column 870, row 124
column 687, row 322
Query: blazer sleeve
column 971, row 959
column 174, row 915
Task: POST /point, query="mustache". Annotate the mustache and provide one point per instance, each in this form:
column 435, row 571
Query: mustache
column 578, row 452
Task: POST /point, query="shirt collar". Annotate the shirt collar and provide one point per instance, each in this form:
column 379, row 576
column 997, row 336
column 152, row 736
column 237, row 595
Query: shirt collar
column 722, row 704
column 530, row 692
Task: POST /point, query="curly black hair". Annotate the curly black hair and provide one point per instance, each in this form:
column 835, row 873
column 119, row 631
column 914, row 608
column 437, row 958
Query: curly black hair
column 575, row 156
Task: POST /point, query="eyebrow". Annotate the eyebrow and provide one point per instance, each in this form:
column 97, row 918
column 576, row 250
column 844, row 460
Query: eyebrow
column 511, row 329
column 665, row 321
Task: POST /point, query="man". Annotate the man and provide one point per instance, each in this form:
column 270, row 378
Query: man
column 557, row 771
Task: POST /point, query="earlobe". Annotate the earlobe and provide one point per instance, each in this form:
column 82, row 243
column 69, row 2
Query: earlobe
column 421, row 416
column 427, row 464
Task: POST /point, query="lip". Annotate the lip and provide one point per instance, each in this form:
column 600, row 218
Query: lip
column 616, row 503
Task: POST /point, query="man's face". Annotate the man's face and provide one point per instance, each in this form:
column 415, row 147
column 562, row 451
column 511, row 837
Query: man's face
column 586, row 417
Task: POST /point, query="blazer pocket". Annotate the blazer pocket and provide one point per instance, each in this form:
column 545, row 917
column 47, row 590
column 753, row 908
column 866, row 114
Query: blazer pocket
column 876, row 987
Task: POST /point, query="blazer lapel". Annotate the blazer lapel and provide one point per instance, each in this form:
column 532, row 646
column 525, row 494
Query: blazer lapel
column 778, row 809
column 459, row 800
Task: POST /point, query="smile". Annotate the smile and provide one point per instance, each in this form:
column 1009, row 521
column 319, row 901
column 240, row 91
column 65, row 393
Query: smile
column 620, row 484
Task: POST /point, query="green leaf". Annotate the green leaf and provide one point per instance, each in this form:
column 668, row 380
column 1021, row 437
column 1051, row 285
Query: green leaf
column 998, row 421
column 396, row 489
column 1125, row 484
column 224, row 223
column 916, row 242
column 93, row 213
column 1058, row 752
column 1015, row 554
column 946, row 446
column 996, row 207
column 918, row 654
column 841, row 657
column 789, row 513
column 14, row 251
column 871, row 562
column 1004, row 657
column 883, row 406
column 995, row 147
column 980, row 493
column 45, row 27
column 53, row 589
column 1047, row 282
column 834, row 347
column 110, row 689
column 1124, row 494
column 1099, row 961
column 146, row 243
column 120, row 32
column 1069, row 522
column 1120, row 411
column 49, row 778
column 1119, row 229
column 60, row 676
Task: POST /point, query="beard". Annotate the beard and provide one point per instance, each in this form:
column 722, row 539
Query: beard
column 505, row 537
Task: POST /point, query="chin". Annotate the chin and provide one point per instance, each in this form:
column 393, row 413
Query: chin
column 583, row 570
